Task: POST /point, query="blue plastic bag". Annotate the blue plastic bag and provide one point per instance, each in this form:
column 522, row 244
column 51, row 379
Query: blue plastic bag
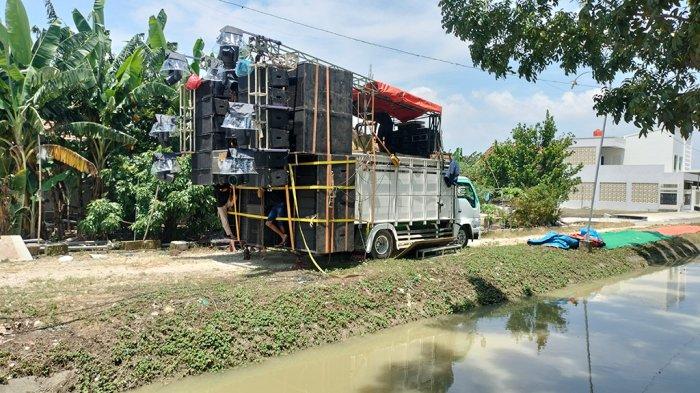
column 243, row 67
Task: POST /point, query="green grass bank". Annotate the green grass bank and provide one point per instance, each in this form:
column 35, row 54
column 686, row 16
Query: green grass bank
column 117, row 337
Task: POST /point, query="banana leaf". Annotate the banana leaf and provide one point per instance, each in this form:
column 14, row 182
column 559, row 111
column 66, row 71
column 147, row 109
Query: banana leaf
column 18, row 31
column 97, row 131
column 45, row 47
column 70, row 158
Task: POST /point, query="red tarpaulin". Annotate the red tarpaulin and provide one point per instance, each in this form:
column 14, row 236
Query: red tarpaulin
column 399, row 104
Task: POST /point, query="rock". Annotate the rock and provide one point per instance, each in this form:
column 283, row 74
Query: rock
column 98, row 256
column 141, row 245
column 56, row 249
column 13, row 248
column 168, row 309
column 154, row 314
column 65, row 258
column 151, row 244
column 38, row 324
column 34, row 249
column 179, row 245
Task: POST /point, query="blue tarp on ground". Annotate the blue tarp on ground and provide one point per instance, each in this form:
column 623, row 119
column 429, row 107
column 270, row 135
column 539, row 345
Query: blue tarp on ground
column 553, row 239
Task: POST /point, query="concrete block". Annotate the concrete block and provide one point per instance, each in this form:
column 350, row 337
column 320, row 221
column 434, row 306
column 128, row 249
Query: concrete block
column 141, row 245
column 14, row 249
column 34, row 249
column 179, row 245
column 56, row 249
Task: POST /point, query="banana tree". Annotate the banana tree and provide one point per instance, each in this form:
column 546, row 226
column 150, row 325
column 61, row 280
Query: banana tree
column 122, row 85
column 28, row 79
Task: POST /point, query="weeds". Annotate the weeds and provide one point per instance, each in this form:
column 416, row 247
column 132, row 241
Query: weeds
column 154, row 331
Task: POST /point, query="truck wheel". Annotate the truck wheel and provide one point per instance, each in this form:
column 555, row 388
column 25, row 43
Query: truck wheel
column 382, row 245
column 463, row 236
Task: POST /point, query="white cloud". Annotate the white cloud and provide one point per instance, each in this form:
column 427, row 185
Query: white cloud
column 476, row 108
column 475, row 120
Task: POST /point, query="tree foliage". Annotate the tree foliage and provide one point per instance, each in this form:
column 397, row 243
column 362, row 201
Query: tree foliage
column 653, row 45
column 103, row 218
column 534, row 155
column 180, row 209
column 68, row 89
column 536, row 206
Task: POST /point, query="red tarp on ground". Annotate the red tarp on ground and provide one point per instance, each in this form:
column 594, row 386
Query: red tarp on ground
column 398, row 103
column 674, row 230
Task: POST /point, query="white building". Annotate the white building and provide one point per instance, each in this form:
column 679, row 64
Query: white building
column 650, row 173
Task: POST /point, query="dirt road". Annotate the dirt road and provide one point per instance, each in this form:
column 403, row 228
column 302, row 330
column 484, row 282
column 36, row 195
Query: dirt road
column 138, row 266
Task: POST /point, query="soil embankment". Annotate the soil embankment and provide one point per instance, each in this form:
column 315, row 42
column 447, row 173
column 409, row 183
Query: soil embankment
column 113, row 335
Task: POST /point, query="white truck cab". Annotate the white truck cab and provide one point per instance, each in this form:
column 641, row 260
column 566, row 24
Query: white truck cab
column 467, row 212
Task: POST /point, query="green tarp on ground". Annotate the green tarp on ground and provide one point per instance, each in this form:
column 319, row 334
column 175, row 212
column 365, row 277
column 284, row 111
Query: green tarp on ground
column 631, row 237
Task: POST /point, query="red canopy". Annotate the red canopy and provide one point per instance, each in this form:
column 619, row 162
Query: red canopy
column 398, row 103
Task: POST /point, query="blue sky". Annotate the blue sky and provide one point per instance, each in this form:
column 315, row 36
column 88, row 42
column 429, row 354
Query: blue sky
column 477, row 108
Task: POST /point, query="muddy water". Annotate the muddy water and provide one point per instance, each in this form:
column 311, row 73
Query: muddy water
column 635, row 335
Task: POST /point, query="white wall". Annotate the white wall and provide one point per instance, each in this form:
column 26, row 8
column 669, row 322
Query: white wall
column 657, row 148
column 627, row 174
column 613, row 156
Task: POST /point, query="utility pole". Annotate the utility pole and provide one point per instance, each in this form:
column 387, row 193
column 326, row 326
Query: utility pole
column 38, row 191
column 595, row 183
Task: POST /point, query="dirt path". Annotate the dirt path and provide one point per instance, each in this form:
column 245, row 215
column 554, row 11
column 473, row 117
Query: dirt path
column 138, row 266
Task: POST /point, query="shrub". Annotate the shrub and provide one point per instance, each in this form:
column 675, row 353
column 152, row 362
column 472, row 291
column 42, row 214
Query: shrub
column 181, row 210
column 102, row 219
column 536, row 206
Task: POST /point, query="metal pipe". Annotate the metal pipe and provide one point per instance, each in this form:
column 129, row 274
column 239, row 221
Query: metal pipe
column 595, row 180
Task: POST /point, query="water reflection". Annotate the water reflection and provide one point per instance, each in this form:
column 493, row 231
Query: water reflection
column 534, row 321
column 675, row 286
column 634, row 335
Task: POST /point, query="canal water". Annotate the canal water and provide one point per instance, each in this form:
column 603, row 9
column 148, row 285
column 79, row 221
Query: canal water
column 638, row 334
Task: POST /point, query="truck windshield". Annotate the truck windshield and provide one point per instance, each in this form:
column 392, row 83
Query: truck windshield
column 466, row 191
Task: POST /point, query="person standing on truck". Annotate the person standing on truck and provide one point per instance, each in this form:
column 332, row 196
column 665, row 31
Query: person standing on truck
column 225, row 197
column 276, row 211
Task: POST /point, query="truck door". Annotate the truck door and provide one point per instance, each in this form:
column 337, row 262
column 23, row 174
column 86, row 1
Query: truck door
column 467, row 203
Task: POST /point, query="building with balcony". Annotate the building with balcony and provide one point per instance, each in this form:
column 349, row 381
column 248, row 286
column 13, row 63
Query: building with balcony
column 637, row 174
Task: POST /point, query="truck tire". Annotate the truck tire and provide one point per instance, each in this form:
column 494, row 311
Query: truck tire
column 382, row 244
column 463, row 236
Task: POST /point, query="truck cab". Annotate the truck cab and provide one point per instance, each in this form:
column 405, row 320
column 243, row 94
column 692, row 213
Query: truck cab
column 467, row 212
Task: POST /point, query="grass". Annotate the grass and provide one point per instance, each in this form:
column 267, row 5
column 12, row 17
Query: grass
column 118, row 337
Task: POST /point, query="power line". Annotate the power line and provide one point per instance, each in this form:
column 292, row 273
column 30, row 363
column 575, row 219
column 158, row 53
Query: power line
column 382, row 46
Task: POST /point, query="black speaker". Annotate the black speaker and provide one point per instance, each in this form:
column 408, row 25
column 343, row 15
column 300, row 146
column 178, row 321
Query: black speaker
column 244, row 138
column 209, row 105
column 308, row 88
column 320, row 237
column 201, row 177
column 210, row 124
column 201, row 160
column 228, row 54
column 278, row 78
column 276, row 96
column 276, row 117
column 267, row 177
column 272, row 159
column 278, row 138
column 209, row 142
column 340, row 132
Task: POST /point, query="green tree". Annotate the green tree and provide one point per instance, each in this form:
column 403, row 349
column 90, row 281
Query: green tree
column 180, row 210
column 534, row 155
column 28, row 80
column 123, row 84
column 103, row 218
column 653, row 45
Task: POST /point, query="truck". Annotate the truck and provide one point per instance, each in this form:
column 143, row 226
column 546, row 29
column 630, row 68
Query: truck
column 358, row 164
column 410, row 205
